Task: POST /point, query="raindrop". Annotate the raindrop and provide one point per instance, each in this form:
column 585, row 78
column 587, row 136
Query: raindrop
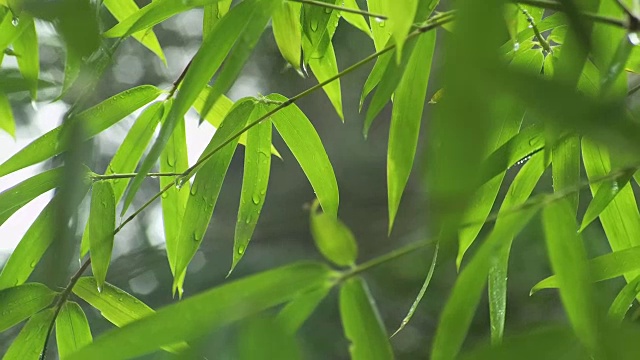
column 33, row 264
column 99, row 289
column 379, row 20
column 328, row 10
column 193, row 191
column 314, row 25
column 240, row 250
column 634, row 39
column 534, row 140
column 164, row 195
column 263, row 192
column 381, row 23
column 34, row 105
column 256, row 199
column 170, row 160
column 530, row 26
column 15, row 21
column 121, row 299
column 614, row 187
column 247, row 220
column 516, row 46
column 197, row 237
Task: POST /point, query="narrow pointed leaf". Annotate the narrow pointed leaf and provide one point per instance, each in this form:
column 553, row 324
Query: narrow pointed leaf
column 548, row 23
column 315, row 20
column 213, row 13
column 262, row 337
column 406, row 117
column 208, row 311
column 288, row 32
column 30, row 341
column 298, row 310
column 206, row 188
column 305, row 144
column 72, row 65
column 379, row 29
column 401, row 15
column 323, row 69
column 9, row 32
column 205, row 63
column 15, row 197
column 607, row 191
column 255, row 180
column 72, row 329
column 603, row 267
column 121, row 10
column 26, row 47
column 7, row 122
column 94, row 120
column 357, row 20
column 173, row 159
column 375, row 76
column 361, row 322
column 624, row 300
column 333, row 238
column 103, row 222
column 467, row 291
column 21, row 302
column 565, row 165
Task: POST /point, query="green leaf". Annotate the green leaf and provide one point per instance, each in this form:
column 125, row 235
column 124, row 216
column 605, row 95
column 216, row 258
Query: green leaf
column 357, row 20
column 467, row 291
column 101, row 227
column 93, row 120
column 565, row 166
column 361, row 322
column 333, row 238
column 257, row 16
column 30, row 341
column 315, row 21
column 569, row 261
column 375, row 76
column 206, row 188
column 288, row 32
column 205, row 63
column 15, row 197
column 26, row 48
column 257, row 165
column 519, row 191
column 213, row 13
column 7, row 122
column 9, row 32
column 12, row 82
column 548, row 23
column 406, row 117
column 21, row 302
column 72, row 65
column 624, row 300
column 604, row 267
column 298, row 310
column 607, row 191
column 128, row 155
column 174, row 159
column 324, row 68
column 72, row 329
column 401, row 15
column 264, row 338
column 305, row 144
column 121, row 10
column 379, row 29
column 199, row 315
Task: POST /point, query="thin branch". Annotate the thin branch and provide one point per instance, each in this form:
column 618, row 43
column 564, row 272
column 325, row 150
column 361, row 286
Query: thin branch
column 532, row 23
column 341, row 8
column 553, row 5
column 98, row 177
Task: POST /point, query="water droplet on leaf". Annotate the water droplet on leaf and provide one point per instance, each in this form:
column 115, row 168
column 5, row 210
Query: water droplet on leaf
column 164, row 195
column 516, row 46
column 634, row 39
column 240, row 250
column 15, row 21
column 314, row 25
column 256, row 199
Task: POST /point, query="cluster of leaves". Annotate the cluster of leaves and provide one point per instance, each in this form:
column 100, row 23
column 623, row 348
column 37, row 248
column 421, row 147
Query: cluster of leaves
column 519, row 83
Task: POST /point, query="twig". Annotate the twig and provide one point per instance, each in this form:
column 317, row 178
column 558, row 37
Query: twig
column 553, row 5
column 543, row 43
column 341, row 8
column 98, row 177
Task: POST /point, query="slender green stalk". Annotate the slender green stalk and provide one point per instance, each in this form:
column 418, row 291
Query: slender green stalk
column 98, row 177
column 557, row 6
column 543, row 43
column 341, row 8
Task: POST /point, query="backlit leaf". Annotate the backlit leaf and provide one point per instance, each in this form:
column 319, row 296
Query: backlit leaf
column 288, row 32
column 298, row 310
column 26, row 48
column 607, row 191
column 333, row 238
column 7, row 122
column 624, row 300
column 72, row 329
column 213, row 13
column 325, row 68
column 356, row 20
column 401, row 14
column 565, row 165
column 379, row 29
column 103, row 222
column 30, row 341
column 21, row 302
column 315, row 20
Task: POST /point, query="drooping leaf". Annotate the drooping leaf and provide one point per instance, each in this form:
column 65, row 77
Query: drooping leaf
column 357, row 20
column 519, row 192
column 208, row 311
column 21, row 302
column 569, row 261
column 121, row 10
column 213, row 13
column 298, row 310
column 333, row 238
column 12, row 82
column 26, row 48
column 257, row 166
column 379, row 30
column 315, row 20
column 405, row 121
column 30, row 341
column 401, row 15
column 361, row 322
column 565, row 165
column 624, row 300
column 72, row 329
column 15, row 197
column 288, row 32
column 305, row 144
column 607, row 191
column 7, row 122
column 94, row 120
column 376, row 74
column 205, row 63
column 101, row 227
column 206, row 188
column 325, row 68
column 10, row 32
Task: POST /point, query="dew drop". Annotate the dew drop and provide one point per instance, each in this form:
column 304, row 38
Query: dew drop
column 193, row 191
column 240, row 250
column 314, row 25
column 530, row 26
column 170, row 160
column 534, row 140
column 164, row 195
column 328, row 10
column 33, row 264
column 379, row 20
column 247, row 220
column 614, row 188
column 15, row 21
column 197, row 237
column 516, row 46
column 634, row 39
column 121, row 299
column 99, row 289
column 256, row 199
column 34, row 105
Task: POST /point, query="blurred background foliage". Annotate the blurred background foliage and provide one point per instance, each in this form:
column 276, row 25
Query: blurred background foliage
column 283, row 233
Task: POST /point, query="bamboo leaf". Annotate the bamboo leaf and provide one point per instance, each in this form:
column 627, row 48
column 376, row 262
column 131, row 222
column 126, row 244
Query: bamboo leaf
column 361, row 322
column 288, row 32
column 565, row 165
column 305, row 144
column 208, row 311
column 7, row 122
column 375, row 76
column 333, row 238
column 10, row 32
column 21, row 302
column 298, row 310
column 206, row 188
column 121, row 10
column 624, row 300
column 569, row 261
column 379, row 30
column 103, row 222
column 264, row 338
column 607, row 191
column 15, row 197
column 94, row 120
column 405, row 121
column 30, row 341
column 357, row 20
column 213, row 13
column 26, row 47
column 315, row 21
column 72, row 329
column 548, row 23
column 401, row 15
column 12, row 82
column 257, row 165
column 324, row 68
